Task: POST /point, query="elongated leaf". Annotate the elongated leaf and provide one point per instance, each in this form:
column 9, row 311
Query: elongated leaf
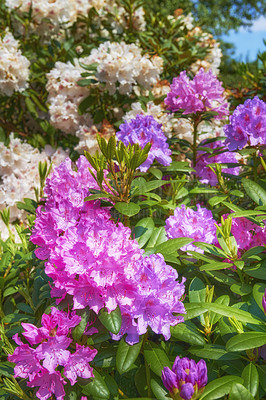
column 171, row 245
column 254, row 191
column 213, row 352
column 194, row 310
column 112, row 321
column 220, row 387
column 128, row 209
column 158, row 236
column 156, row 358
column 159, row 390
column 246, row 341
column 143, row 231
column 126, row 355
column 250, row 377
column 242, row 316
column 239, row 391
column 188, row 334
column 97, row 387
column 214, row 318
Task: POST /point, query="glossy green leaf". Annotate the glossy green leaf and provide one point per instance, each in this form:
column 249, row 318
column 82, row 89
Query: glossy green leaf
column 214, row 317
column 254, row 191
column 188, row 334
column 126, row 355
column 159, row 390
column 143, row 231
column 213, row 352
column 77, row 332
column 171, row 245
column 220, row 387
column 250, row 377
column 238, row 392
column 246, row 341
column 112, row 321
column 128, row 209
column 97, row 387
column 156, row 358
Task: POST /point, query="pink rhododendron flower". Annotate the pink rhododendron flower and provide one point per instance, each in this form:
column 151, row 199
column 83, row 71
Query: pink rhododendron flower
column 198, row 225
column 40, row 364
column 95, row 261
column 203, row 93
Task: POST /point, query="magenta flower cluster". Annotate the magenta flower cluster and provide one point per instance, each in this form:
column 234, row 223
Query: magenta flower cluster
column 186, row 379
column 48, row 350
column 247, row 234
column 198, row 225
column 205, row 174
column 94, row 260
column 247, row 125
column 142, row 130
column 203, row 93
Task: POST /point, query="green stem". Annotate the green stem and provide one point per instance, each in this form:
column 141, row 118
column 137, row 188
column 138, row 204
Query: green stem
column 255, row 166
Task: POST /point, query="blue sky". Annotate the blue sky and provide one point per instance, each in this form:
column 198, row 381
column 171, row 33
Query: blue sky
column 248, row 42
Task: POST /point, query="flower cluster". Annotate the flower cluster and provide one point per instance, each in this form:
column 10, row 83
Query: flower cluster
column 198, row 225
column 14, row 67
column 20, row 175
column 247, row 234
column 65, row 95
column 122, row 66
column 205, row 174
column 58, row 12
column 247, row 125
column 203, row 93
column 93, row 260
column 186, row 379
column 40, row 363
column 142, row 130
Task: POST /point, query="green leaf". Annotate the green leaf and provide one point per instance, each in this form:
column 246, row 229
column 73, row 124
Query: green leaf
column 147, row 187
column 220, row 387
column 158, row 236
column 85, row 104
column 86, row 82
column 254, row 191
column 217, row 200
column 171, row 245
column 159, row 390
column 241, row 288
column 126, row 355
column 31, row 107
column 197, row 291
column 242, row 316
column 97, row 387
column 194, row 310
column 105, row 358
column 156, row 358
column 128, row 209
column 187, row 333
column 250, row 377
column 239, row 391
column 29, row 205
column 258, row 293
column 78, row 331
column 143, row 231
column 111, row 321
column 213, row 352
column 214, row 318
column 246, row 341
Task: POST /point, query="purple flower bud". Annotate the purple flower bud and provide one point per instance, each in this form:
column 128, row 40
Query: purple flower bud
column 264, row 302
column 169, row 379
column 186, row 378
column 187, row 391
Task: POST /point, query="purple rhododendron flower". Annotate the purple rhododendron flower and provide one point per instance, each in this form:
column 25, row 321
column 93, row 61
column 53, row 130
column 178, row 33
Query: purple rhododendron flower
column 142, row 130
column 78, row 364
column 39, row 364
column 247, row 125
column 95, row 261
column 205, row 174
column 198, row 225
column 49, row 384
column 203, row 93
column 186, row 379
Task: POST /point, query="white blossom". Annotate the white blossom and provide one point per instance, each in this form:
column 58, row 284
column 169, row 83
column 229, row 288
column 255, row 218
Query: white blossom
column 14, row 67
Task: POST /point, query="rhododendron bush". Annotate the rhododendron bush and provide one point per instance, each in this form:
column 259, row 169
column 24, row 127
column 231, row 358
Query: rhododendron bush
column 133, row 208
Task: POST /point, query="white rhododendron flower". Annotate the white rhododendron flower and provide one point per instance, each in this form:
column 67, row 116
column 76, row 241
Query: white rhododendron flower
column 14, row 67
